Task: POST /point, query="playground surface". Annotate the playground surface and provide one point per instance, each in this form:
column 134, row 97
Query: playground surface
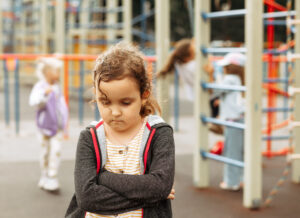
column 19, row 168
column 20, row 196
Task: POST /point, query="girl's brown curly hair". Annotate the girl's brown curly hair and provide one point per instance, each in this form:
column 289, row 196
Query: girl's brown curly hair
column 123, row 60
column 179, row 55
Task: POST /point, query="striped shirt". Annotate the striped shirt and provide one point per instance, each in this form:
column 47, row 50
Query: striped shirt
column 124, row 159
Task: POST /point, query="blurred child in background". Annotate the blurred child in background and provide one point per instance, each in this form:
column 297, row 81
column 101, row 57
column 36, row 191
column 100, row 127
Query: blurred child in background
column 182, row 59
column 51, row 119
column 232, row 109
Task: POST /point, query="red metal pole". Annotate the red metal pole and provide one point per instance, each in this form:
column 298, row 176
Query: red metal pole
column 275, row 5
column 271, row 95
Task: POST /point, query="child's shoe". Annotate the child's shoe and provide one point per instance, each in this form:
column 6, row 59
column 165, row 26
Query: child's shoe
column 224, row 186
column 51, row 184
column 42, row 181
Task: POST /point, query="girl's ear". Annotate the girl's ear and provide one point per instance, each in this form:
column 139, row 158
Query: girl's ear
column 146, row 94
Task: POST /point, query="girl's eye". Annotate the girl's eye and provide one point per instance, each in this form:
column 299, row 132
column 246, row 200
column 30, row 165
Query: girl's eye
column 105, row 102
column 126, row 103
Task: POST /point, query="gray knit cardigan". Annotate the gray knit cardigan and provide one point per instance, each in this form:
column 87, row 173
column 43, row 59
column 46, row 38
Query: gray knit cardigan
column 111, row 193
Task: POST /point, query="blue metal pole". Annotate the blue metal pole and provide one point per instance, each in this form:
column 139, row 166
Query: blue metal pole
column 275, row 22
column 217, row 86
column 242, row 12
column 205, row 50
column 222, row 159
column 176, row 100
column 225, row 50
column 143, row 22
column 97, row 114
column 191, row 14
column 274, row 109
column 286, row 87
column 276, row 80
column 17, row 97
column 265, row 76
column 139, row 18
column 80, row 93
column 154, row 82
column 222, row 14
column 279, row 14
column 222, row 122
column 268, row 138
column 6, row 93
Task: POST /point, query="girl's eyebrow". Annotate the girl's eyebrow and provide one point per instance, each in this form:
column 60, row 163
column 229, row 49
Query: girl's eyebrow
column 127, row 98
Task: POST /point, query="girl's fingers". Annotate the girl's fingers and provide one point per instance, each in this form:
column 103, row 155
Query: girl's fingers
column 171, row 196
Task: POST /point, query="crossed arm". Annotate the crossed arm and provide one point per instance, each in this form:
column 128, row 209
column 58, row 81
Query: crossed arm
column 111, row 193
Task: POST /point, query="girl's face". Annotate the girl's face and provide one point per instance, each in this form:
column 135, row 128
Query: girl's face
column 119, row 103
column 52, row 75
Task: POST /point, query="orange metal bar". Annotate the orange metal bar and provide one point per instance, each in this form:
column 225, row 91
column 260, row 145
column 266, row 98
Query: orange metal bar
column 94, row 57
column 35, row 56
column 273, row 89
column 70, row 57
column 281, row 152
column 11, row 64
column 278, row 126
column 9, row 14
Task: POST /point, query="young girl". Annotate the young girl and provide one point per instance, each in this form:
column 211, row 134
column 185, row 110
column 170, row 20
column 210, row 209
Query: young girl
column 232, row 109
column 51, row 119
column 182, row 59
column 136, row 148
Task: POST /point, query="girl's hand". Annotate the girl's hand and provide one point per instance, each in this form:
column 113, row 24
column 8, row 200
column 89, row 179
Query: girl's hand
column 48, row 90
column 209, row 69
column 172, row 194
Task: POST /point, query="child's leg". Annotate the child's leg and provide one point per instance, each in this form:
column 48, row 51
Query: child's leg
column 54, row 155
column 52, row 183
column 234, row 141
column 44, row 157
column 44, row 160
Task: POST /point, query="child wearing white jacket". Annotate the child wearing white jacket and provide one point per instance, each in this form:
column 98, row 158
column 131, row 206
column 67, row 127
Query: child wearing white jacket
column 51, row 119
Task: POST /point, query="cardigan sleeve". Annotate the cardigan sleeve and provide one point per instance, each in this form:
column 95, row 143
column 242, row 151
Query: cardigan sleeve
column 37, row 96
column 154, row 186
column 91, row 196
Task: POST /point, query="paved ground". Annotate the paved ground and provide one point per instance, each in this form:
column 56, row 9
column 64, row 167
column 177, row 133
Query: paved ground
column 20, row 197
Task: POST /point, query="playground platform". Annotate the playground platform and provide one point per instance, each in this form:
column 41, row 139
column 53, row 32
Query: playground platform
column 20, row 196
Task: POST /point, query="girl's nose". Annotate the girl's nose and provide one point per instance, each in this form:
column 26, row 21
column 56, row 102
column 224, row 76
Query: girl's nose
column 115, row 111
